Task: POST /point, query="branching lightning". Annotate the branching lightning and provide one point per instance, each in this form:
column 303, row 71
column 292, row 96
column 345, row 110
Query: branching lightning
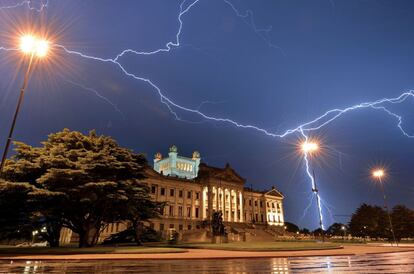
column 248, row 19
column 99, row 95
column 29, row 5
column 174, row 107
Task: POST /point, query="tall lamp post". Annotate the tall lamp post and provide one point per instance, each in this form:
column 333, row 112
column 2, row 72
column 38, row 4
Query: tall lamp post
column 33, row 47
column 309, row 148
column 378, row 174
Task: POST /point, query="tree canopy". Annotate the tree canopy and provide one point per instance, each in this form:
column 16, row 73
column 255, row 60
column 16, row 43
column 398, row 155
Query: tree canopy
column 82, row 182
column 369, row 221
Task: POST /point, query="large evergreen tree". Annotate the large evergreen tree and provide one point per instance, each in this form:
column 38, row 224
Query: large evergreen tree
column 15, row 212
column 403, row 221
column 86, row 181
column 369, row 221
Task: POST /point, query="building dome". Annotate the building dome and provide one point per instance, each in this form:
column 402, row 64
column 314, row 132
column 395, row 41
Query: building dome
column 196, row 155
column 158, row 156
column 173, row 149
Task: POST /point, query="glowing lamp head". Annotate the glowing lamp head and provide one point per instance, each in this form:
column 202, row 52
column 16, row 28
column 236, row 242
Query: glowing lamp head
column 32, row 45
column 378, row 173
column 27, row 43
column 309, row 147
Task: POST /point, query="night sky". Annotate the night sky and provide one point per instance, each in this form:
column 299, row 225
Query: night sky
column 316, row 56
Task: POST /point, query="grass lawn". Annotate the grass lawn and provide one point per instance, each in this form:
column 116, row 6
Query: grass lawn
column 265, row 246
column 11, row 250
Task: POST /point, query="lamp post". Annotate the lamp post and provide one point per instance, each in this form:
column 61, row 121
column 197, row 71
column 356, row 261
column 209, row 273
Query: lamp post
column 309, row 148
column 33, row 47
column 378, row 174
column 344, row 230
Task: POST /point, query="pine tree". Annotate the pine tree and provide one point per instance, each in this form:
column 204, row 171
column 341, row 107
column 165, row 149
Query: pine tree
column 86, row 181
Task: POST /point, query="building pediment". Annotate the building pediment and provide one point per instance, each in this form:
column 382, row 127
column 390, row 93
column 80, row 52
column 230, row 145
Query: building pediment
column 223, row 174
column 274, row 192
column 228, row 175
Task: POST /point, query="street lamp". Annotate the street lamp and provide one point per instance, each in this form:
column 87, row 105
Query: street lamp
column 311, row 148
column 34, row 47
column 378, row 174
column 344, row 230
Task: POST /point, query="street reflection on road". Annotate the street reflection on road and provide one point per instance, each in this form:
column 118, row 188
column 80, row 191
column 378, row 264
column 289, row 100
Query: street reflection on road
column 402, row 262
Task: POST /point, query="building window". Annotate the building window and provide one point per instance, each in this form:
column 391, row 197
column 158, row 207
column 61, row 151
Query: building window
column 261, row 218
column 180, row 193
column 250, row 202
column 273, row 205
column 267, row 204
column 227, row 197
column 153, row 189
column 255, row 203
column 161, row 227
column 180, row 211
column 180, row 227
column 171, row 213
column 189, row 195
column 197, row 195
column 261, row 204
column 189, row 227
column 238, row 214
column 189, row 212
column 171, row 225
column 162, row 191
column 196, row 212
column 172, row 192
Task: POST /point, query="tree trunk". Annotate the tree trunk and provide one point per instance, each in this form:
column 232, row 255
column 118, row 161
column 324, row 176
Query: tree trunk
column 53, row 231
column 138, row 229
column 83, row 239
column 88, row 235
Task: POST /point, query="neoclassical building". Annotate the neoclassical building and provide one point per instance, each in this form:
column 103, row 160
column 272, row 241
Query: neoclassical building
column 192, row 191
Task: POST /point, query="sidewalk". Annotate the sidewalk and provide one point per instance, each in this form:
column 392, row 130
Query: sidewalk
column 217, row 254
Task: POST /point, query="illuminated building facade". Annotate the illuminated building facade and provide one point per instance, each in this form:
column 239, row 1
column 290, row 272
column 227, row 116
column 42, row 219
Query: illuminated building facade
column 192, row 191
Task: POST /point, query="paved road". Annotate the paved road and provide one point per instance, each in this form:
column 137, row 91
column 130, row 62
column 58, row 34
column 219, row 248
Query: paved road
column 370, row 263
column 348, row 250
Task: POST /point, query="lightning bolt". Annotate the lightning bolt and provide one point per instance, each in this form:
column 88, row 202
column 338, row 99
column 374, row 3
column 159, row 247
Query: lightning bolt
column 248, row 19
column 312, row 180
column 29, row 5
column 174, row 107
column 98, row 94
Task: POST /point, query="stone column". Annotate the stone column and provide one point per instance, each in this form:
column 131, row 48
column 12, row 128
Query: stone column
column 281, row 214
column 227, row 192
column 223, row 206
column 203, row 203
column 210, row 201
column 236, row 207
column 241, row 207
column 231, row 205
column 217, row 199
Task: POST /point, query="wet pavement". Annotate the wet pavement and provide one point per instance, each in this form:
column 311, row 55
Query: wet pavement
column 376, row 263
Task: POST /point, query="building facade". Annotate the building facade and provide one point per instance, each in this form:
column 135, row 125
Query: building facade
column 193, row 191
